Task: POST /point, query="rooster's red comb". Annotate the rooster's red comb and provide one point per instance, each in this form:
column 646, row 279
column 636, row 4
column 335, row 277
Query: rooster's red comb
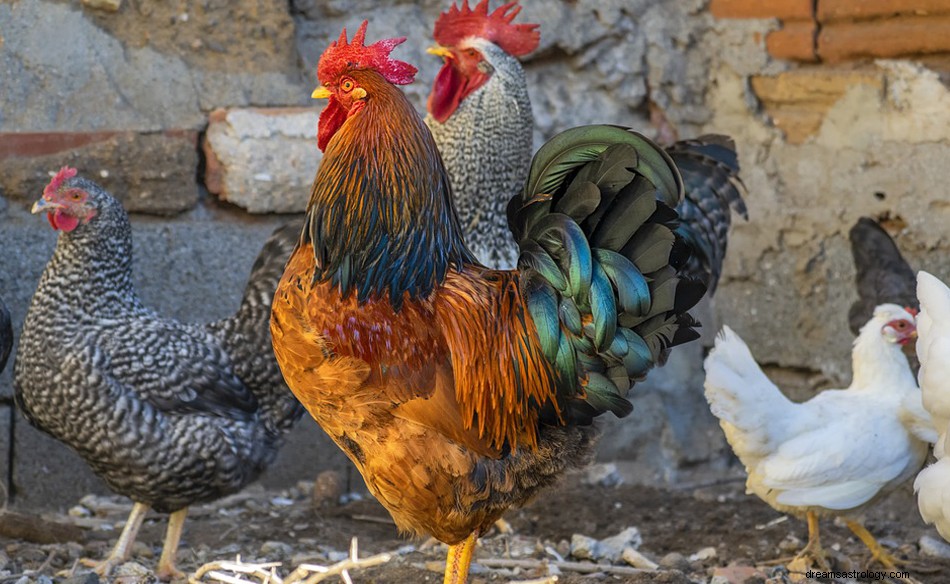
column 455, row 24
column 342, row 55
column 64, row 173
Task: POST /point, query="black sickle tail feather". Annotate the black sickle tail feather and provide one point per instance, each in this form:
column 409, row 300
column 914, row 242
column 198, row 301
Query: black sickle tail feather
column 599, row 263
column 882, row 275
column 710, row 169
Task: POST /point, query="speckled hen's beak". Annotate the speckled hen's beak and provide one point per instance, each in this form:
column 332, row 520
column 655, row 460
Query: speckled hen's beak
column 321, row 93
column 440, row 51
column 44, row 206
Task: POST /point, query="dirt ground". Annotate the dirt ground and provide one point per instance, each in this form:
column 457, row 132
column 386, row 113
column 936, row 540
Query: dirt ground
column 677, row 526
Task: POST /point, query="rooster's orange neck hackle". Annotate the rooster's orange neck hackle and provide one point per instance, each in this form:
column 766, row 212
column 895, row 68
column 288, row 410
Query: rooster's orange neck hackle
column 380, row 216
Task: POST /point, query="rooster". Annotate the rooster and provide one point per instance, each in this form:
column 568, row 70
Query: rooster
column 480, row 115
column 6, row 335
column 882, row 275
column 837, row 452
column 933, row 350
column 459, row 391
column 167, row 413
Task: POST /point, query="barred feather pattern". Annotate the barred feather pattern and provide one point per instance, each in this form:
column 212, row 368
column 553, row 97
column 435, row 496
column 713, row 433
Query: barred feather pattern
column 167, row 413
column 486, row 147
column 882, row 275
column 710, row 169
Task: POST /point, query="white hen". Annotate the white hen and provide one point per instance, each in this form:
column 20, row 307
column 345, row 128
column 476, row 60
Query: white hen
column 933, row 351
column 835, row 453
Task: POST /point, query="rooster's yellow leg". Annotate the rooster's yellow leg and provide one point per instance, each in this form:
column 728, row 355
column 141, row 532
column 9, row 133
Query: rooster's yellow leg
column 166, row 564
column 878, row 553
column 123, row 548
column 812, row 552
column 459, row 559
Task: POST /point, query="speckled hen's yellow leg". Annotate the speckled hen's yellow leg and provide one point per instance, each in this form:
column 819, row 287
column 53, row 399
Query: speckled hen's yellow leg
column 166, row 564
column 459, row 559
column 812, row 553
column 123, row 548
column 878, row 553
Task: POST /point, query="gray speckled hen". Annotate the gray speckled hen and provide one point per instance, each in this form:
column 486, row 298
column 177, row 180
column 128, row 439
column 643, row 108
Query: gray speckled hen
column 480, row 116
column 167, row 413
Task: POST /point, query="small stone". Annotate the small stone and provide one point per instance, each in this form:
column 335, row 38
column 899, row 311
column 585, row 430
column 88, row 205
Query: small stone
column 603, row 475
column 276, row 548
column 737, row 575
column 133, row 573
column 638, row 560
column 142, row 550
column 107, row 5
column 674, row 561
column 790, row 544
column 707, row 553
column 610, row 549
column 82, row 578
column 935, row 548
column 327, row 489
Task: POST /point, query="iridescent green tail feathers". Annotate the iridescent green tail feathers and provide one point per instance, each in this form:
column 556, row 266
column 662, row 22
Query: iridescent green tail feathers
column 600, row 263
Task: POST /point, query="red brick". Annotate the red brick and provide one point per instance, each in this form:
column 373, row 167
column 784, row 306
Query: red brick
column 793, row 9
column 893, row 37
column 795, row 41
column 863, row 9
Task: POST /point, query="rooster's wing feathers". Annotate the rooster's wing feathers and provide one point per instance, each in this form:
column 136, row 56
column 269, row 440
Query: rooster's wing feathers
column 709, row 165
column 187, row 370
column 882, row 275
column 597, row 241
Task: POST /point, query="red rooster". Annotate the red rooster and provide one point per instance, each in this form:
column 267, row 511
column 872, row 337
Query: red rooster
column 459, row 391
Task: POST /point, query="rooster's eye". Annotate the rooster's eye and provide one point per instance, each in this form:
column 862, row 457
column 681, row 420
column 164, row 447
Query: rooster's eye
column 76, row 196
column 471, row 53
column 347, row 85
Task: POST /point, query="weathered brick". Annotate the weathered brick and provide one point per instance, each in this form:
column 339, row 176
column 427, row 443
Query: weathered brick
column 792, row 9
column 797, row 101
column 884, row 38
column 149, row 172
column 862, row 9
column 795, row 41
column 262, row 159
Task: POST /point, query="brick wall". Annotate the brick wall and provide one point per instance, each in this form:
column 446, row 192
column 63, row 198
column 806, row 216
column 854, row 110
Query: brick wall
column 833, row 31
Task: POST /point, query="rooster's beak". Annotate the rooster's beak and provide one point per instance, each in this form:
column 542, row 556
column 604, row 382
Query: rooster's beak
column 440, row 51
column 44, row 206
column 321, row 93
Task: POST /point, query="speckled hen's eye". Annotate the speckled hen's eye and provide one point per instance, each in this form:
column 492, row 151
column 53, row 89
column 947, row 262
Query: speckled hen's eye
column 75, row 195
column 347, row 85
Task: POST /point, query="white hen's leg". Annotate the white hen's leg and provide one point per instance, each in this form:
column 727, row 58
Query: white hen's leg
column 123, row 548
column 812, row 554
column 166, row 564
column 878, row 553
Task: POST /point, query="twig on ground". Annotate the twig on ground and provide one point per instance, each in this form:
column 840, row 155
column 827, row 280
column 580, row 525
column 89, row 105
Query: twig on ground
column 373, row 519
column 579, row 567
column 267, row 573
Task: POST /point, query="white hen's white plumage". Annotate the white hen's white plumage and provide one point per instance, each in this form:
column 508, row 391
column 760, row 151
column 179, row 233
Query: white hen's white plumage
column 833, row 453
column 933, row 350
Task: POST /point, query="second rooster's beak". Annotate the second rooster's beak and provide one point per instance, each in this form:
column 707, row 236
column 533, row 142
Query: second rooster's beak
column 321, row 93
column 44, row 206
column 440, row 51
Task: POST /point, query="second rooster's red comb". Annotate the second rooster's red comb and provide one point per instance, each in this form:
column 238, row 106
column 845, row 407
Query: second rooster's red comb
column 64, row 173
column 342, row 55
column 457, row 23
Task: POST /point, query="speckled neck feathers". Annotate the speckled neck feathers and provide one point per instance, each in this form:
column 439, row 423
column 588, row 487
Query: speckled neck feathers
column 486, row 145
column 380, row 217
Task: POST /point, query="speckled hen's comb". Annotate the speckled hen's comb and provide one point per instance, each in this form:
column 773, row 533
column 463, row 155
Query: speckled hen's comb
column 64, row 173
column 515, row 39
column 341, row 55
